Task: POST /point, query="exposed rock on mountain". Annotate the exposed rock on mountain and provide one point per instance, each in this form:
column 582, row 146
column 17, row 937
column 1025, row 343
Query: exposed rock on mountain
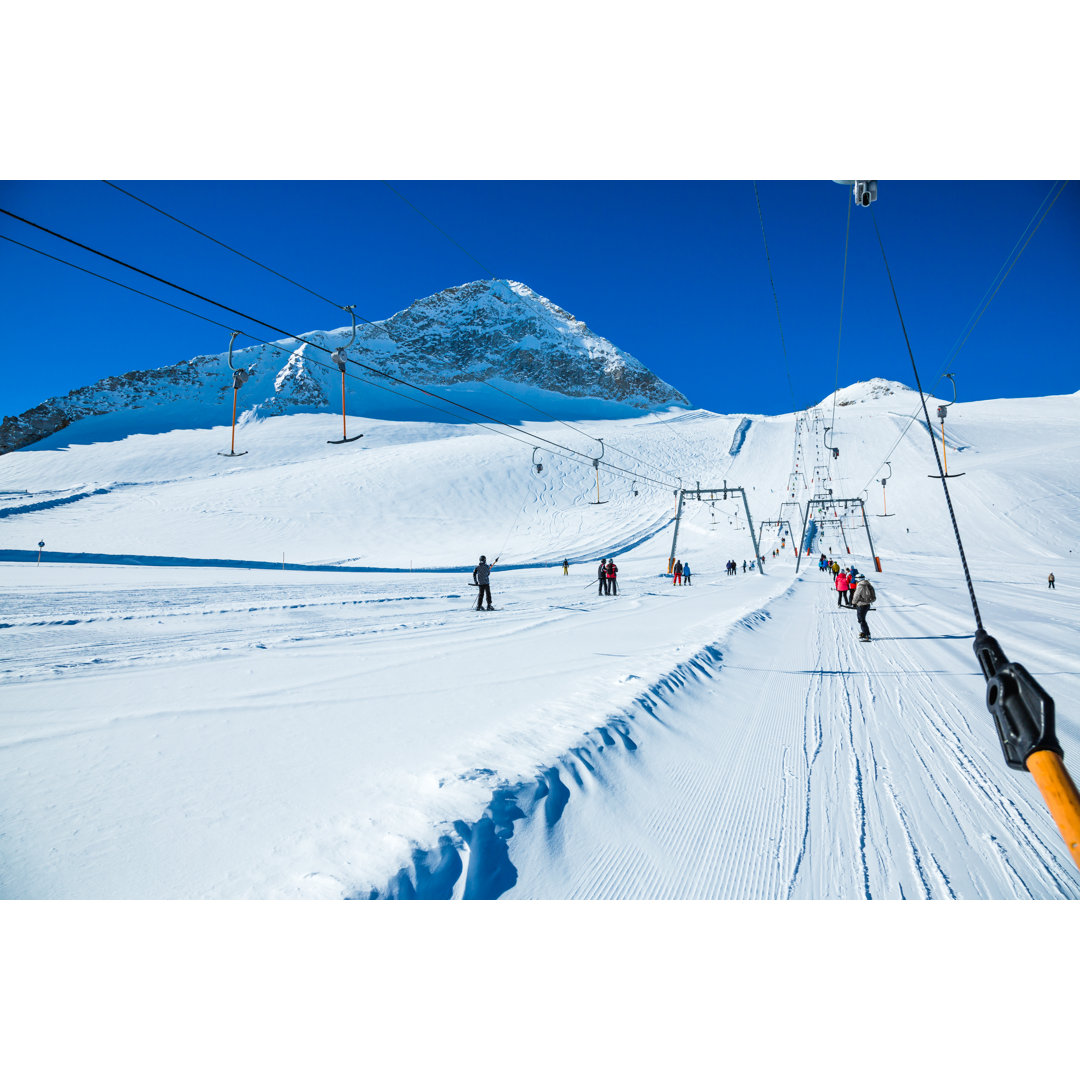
column 485, row 331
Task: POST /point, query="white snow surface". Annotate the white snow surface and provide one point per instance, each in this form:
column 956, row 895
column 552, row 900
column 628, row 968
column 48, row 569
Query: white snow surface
column 218, row 727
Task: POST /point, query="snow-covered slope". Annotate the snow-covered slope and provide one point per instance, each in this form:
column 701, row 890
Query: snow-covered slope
column 181, row 730
column 480, row 333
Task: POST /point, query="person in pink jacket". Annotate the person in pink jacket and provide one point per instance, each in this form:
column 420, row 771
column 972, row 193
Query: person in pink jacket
column 841, row 587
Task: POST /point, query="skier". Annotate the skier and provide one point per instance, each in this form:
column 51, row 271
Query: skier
column 612, row 572
column 841, row 588
column 676, row 578
column 744, row 566
column 686, row 572
column 601, row 574
column 852, row 579
column 482, row 576
column 565, row 566
column 864, row 597
column 1050, row 581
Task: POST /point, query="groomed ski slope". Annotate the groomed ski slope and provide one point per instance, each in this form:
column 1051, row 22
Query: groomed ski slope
column 192, row 731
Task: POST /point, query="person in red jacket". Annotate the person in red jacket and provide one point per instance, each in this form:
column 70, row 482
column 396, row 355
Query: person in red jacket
column 612, row 574
column 841, row 587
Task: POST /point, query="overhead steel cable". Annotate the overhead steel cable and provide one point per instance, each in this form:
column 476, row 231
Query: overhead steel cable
column 295, row 337
column 491, row 273
column 1015, row 260
column 933, row 443
column 227, row 247
column 982, row 306
column 113, row 281
column 378, row 326
column 1022, row 710
column 843, row 290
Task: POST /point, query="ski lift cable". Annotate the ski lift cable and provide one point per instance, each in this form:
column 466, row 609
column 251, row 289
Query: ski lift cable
column 379, row 326
column 571, row 455
column 984, row 306
column 565, row 423
column 277, row 329
column 494, row 277
column 843, row 289
column 991, row 291
column 776, row 301
column 1022, row 710
column 113, row 281
column 314, row 344
column 227, row 247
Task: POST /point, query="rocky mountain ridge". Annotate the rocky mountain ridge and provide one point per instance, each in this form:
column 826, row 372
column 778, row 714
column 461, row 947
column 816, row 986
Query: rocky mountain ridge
column 497, row 332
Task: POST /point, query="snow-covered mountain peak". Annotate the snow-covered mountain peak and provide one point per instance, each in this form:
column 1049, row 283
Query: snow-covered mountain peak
column 862, row 393
column 481, row 332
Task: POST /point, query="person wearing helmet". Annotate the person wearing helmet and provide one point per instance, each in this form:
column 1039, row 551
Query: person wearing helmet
column 864, row 597
column 481, row 576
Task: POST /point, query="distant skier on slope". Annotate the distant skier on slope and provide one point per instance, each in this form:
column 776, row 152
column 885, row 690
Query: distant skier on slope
column 482, row 576
column 864, row 597
column 1050, row 581
column 676, row 578
column 686, row 572
column 601, row 575
column 566, row 566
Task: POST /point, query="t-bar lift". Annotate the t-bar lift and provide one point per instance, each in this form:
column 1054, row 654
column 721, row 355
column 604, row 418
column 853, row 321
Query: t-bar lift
column 827, row 503
column 709, row 495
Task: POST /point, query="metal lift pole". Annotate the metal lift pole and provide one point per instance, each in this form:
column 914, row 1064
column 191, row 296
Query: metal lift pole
column 675, row 538
column 802, row 539
column 750, row 522
column 869, row 540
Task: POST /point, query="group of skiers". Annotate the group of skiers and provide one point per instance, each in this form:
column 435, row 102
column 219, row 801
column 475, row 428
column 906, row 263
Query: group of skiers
column 852, row 590
column 607, row 574
column 680, row 571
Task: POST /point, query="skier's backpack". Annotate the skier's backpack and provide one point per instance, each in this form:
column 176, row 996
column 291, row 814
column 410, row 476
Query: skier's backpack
column 870, row 590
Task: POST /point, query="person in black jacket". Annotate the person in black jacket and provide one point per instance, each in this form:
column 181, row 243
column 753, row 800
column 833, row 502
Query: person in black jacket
column 482, row 576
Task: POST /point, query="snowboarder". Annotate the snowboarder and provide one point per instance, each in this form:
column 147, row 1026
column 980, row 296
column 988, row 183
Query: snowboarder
column 864, row 597
column 686, row 572
column 1050, row 581
column 676, row 578
column 482, row 576
column 601, row 574
column 565, row 566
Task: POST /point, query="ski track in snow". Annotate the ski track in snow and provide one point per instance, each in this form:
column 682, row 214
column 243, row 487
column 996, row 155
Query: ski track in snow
column 728, row 741
column 733, row 841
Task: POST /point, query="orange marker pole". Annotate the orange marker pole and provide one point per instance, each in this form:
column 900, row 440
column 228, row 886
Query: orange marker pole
column 1060, row 794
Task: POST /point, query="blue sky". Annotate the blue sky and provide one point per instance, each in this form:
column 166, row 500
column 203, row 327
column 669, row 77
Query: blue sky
column 673, row 272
